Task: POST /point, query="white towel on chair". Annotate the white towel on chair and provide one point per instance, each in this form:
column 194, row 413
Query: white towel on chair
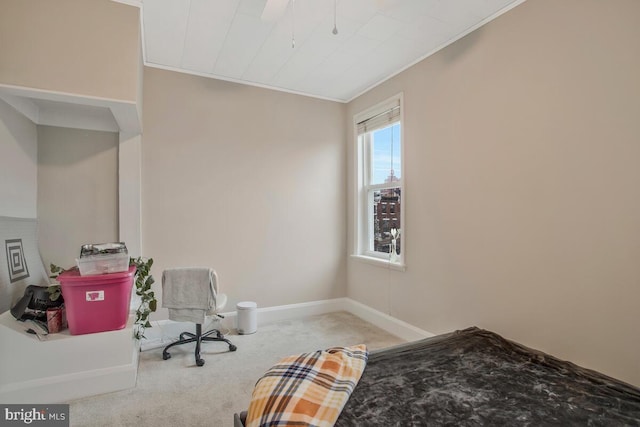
column 189, row 293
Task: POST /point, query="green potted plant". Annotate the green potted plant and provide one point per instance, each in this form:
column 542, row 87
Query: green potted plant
column 148, row 302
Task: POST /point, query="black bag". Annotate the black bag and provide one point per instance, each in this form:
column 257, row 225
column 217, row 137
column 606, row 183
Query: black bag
column 36, row 298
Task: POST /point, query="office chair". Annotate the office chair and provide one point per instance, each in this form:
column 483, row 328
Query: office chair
column 191, row 294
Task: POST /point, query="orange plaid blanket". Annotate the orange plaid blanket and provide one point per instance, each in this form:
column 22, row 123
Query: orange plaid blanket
column 308, row 389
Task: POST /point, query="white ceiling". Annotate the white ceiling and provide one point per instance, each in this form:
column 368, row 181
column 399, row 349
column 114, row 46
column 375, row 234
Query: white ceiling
column 229, row 40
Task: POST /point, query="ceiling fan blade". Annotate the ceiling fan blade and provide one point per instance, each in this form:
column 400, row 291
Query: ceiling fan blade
column 274, row 9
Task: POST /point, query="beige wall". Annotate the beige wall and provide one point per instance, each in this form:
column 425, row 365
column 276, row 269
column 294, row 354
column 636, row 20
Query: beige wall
column 248, row 181
column 77, row 191
column 18, row 164
column 523, row 209
column 522, row 185
column 86, row 47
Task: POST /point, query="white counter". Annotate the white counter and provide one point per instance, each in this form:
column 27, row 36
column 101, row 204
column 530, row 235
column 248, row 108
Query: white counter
column 64, row 367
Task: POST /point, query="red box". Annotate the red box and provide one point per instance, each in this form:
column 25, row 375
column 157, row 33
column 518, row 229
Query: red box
column 96, row 303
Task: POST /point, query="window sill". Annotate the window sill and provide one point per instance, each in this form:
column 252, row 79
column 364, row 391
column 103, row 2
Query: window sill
column 383, row 263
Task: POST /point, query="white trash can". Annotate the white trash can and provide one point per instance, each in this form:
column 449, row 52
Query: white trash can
column 247, row 319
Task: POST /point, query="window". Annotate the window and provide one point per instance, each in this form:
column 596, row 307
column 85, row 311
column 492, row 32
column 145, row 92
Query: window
column 380, row 183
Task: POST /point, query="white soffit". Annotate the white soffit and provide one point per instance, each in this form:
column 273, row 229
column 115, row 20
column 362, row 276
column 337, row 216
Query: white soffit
column 229, row 40
column 44, row 107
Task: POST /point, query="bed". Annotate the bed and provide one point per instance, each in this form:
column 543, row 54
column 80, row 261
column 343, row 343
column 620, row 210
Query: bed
column 476, row 377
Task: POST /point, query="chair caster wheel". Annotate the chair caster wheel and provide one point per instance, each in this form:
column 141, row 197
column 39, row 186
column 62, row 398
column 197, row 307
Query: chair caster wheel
column 200, row 362
column 232, row 347
column 166, row 356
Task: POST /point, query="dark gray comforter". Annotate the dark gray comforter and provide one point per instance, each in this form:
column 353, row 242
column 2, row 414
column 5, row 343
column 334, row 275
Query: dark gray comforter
column 475, row 377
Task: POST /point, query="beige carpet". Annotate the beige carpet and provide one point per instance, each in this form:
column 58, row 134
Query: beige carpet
column 176, row 392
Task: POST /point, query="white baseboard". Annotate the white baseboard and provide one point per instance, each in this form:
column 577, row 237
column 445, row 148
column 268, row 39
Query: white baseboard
column 390, row 324
column 165, row 332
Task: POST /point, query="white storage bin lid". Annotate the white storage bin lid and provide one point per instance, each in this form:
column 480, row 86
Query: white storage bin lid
column 246, row 305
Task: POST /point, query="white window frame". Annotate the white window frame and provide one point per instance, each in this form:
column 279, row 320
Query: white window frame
column 363, row 239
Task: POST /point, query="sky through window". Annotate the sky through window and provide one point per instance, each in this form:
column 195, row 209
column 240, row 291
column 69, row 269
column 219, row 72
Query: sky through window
column 386, row 154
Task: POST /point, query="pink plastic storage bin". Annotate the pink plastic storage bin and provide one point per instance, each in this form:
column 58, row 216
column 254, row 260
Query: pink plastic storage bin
column 96, row 303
